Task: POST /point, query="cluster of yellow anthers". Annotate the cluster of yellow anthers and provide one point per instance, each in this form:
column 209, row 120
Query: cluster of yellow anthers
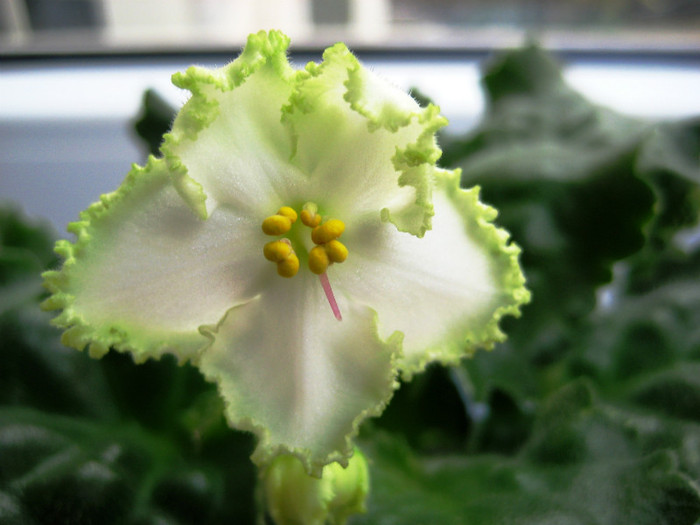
column 324, row 235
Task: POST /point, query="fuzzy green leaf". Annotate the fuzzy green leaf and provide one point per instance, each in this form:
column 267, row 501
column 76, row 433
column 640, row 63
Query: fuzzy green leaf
column 581, row 467
column 562, row 172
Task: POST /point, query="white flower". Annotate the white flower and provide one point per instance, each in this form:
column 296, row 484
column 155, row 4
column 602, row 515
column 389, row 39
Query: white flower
column 175, row 261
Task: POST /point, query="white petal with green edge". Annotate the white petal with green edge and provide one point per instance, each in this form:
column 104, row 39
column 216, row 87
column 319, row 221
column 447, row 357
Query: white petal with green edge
column 145, row 272
column 294, row 375
column 445, row 292
column 227, row 145
column 357, row 136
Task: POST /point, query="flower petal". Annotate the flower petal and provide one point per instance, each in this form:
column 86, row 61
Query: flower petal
column 297, row 377
column 444, row 292
column 358, row 138
column 145, row 272
column 227, row 144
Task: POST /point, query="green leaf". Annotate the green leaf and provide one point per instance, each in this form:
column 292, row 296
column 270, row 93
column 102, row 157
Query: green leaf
column 670, row 159
column 581, row 188
column 38, row 371
column 109, row 442
column 25, row 250
column 675, row 391
column 581, row 466
column 18, row 232
column 429, row 412
column 562, row 172
column 644, row 334
column 154, row 121
column 55, row 469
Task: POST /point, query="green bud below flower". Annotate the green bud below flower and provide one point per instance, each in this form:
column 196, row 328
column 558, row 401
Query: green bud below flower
column 295, row 498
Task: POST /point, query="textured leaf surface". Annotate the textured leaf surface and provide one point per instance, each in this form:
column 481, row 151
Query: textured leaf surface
column 562, row 172
column 580, row 466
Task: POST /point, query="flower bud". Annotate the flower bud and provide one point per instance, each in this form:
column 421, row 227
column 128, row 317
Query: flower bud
column 295, row 498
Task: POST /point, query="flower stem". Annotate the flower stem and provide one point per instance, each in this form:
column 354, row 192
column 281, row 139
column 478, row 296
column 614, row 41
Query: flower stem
column 329, row 295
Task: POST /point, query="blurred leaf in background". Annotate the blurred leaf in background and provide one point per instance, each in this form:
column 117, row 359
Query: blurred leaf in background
column 588, row 414
column 153, row 121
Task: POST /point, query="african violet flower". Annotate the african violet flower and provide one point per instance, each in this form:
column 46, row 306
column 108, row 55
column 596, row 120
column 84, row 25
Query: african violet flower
column 298, row 244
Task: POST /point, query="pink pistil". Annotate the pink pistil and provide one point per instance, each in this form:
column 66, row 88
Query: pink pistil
column 329, row 295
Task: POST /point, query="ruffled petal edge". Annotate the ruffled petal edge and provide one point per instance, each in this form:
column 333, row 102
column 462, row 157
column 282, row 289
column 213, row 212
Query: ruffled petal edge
column 78, row 333
column 504, row 254
column 202, row 108
column 415, row 162
column 266, row 451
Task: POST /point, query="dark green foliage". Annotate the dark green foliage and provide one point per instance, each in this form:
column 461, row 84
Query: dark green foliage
column 589, row 414
column 562, row 172
column 154, row 121
column 582, row 465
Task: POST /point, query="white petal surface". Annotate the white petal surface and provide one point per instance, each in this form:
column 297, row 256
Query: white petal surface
column 292, row 373
column 241, row 158
column 150, row 272
column 440, row 291
column 349, row 151
column 173, row 260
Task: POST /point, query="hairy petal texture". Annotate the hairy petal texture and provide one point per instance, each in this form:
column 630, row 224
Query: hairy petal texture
column 444, row 292
column 173, row 261
column 354, row 135
column 145, row 272
column 300, row 380
column 237, row 152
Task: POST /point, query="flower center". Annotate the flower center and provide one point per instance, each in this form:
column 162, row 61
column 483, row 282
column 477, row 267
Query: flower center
column 324, row 234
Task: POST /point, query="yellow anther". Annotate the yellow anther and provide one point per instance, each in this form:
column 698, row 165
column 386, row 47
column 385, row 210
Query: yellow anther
column 328, row 249
column 318, row 260
column 328, row 231
column 276, row 225
column 310, row 219
column 288, row 212
column 277, row 251
column 288, row 267
column 336, row 250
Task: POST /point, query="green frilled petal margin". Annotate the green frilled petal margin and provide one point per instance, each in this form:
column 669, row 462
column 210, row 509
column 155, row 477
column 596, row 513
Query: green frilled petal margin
column 79, row 331
column 359, row 137
column 263, row 50
column 145, row 273
column 296, row 377
column 483, row 331
column 445, row 292
column 366, row 94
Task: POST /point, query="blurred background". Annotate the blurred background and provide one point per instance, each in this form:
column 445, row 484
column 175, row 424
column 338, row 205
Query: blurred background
column 73, row 72
column 108, row 25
